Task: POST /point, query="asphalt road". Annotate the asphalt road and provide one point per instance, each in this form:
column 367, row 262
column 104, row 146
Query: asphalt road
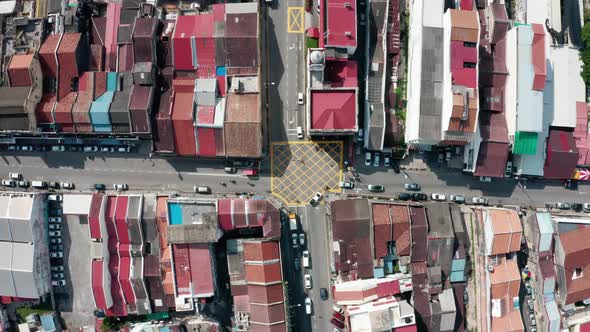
column 315, row 225
column 285, row 71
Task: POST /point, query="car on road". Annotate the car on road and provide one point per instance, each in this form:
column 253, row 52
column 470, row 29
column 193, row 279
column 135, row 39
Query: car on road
column 250, row 172
column 57, row 276
column 360, row 137
column 297, row 264
column 306, row 261
column 564, row 205
column 533, row 321
column 54, row 198
column 586, row 206
column 54, row 226
column 479, row 200
column 485, row 179
column 368, row 158
column 294, row 240
column 376, row 159
column 300, row 98
column 571, row 184
column 386, row 161
column 56, row 254
column 508, row 172
column 346, row 185
column 412, row 186
column 54, row 234
column 8, row 183
column 307, row 280
column 91, row 148
column 58, row 148
column 55, row 240
column 308, row 306
column 299, row 132
column 39, row 184
column 230, row 169
column 58, row 268
column 55, row 212
column 337, row 308
column 577, row 206
column 404, row 196
column 337, row 323
column 323, row 294
column 377, row 188
column 100, row 186
column 58, row 282
column 124, row 149
column 120, row 186
column 302, row 239
column 54, row 184
column 28, row 148
column 457, row 199
column 438, row 197
column 316, row 199
column 67, row 185
column 24, row 184
column 15, row 176
column 419, row 197
column 531, row 305
column 57, row 247
column 202, row 189
column 55, row 219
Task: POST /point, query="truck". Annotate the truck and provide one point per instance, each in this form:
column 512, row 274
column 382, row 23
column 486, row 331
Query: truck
column 293, row 222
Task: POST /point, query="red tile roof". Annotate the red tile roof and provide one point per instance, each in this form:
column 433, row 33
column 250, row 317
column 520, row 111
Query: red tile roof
column 44, row 109
column 562, row 154
column 263, row 274
column 110, row 39
column 341, row 74
column 333, row 109
column 67, row 60
column 538, row 60
column 265, row 294
column 267, row 314
column 206, row 146
column 94, row 216
column 63, row 109
column 182, row 118
column 381, row 229
column 341, row 23
column 400, row 218
column 18, row 70
column 507, row 231
column 97, row 284
column 261, row 251
column 181, row 268
column 47, row 55
column 201, row 270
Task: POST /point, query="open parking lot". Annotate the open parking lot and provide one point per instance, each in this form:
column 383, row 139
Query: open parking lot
column 75, row 300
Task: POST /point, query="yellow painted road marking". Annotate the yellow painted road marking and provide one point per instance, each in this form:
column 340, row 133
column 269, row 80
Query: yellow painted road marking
column 295, row 22
column 300, row 169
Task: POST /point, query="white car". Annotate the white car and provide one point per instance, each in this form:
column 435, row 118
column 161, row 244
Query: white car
column 308, row 307
column 438, row 197
column 8, row 183
column 120, row 186
column 301, row 239
column 314, row 201
column 54, row 227
column 55, row 198
column 386, row 161
column 305, row 255
column 376, row 159
column 299, row 132
column 15, row 176
column 58, row 276
column 346, row 185
column 479, row 201
column 58, row 283
column 300, row 98
column 55, row 219
column 58, row 268
column 54, row 233
column 56, row 254
column 67, row 185
column 307, row 280
column 367, row 158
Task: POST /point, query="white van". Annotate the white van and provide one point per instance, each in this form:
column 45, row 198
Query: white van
column 202, row 189
column 305, row 255
column 299, row 132
column 39, row 184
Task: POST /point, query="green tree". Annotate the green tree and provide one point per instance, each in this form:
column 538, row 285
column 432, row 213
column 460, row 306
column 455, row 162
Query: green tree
column 111, row 323
column 585, row 53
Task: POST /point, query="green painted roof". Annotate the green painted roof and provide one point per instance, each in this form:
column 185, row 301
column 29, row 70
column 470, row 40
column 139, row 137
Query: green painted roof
column 525, row 143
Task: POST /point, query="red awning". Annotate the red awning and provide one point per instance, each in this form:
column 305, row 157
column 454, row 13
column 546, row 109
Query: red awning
column 313, row 32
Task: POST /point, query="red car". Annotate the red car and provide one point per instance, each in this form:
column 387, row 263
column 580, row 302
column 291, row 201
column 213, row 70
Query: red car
column 338, row 316
column 337, row 323
column 250, row 172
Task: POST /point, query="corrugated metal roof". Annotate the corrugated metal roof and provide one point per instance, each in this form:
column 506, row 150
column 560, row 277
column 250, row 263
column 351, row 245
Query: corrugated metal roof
column 525, row 143
column 201, row 270
column 97, row 284
column 562, row 155
column 341, row 23
column 529, row 101
column 47, row 55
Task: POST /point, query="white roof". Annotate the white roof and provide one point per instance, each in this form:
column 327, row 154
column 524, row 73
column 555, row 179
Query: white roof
column 78, row 204
column 432, row 14
column 7, row 284
column 22, row 270
column 568, row 86
column 7, row 7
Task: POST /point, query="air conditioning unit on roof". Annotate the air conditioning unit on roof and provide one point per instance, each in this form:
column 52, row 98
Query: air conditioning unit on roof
column 348, row 33
column 347, row 5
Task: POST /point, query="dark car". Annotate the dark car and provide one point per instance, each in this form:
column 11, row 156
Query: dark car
column 54, row 185
column 100, row 186
column 376, row 188
column 419, row 197
column 337, row 323
column 324, row 294
column 404, row 196
column 571, row 184
column 577, row 206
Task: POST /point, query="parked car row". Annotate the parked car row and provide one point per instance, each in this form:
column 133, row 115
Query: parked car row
column 569, row 206
column 73, row 148
column 17, row 180
column 56, row 248
column 375, row 159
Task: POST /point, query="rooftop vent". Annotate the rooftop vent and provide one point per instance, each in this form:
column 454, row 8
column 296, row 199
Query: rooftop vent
column 347, row 5
column 348, row 33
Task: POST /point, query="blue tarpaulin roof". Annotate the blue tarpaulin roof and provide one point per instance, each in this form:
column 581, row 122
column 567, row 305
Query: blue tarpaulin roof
column 48, row 323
